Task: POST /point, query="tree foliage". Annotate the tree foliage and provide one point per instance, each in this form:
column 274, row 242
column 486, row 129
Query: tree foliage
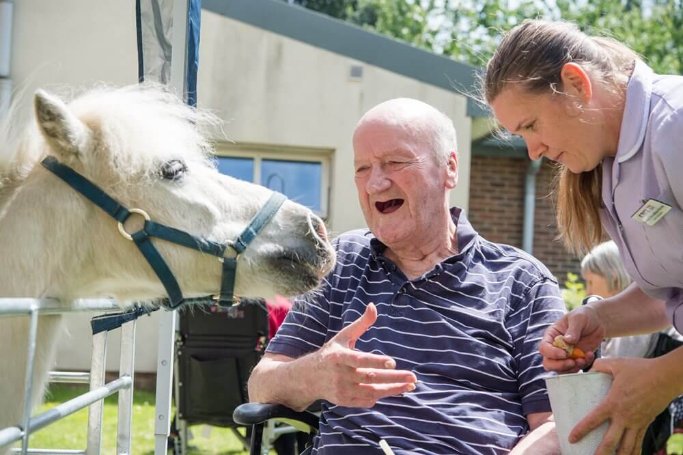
column 469, row 30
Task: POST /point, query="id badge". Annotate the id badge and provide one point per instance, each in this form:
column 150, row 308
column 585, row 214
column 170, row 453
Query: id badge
column 651, row 212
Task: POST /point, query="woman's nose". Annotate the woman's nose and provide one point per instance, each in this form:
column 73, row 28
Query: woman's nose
column 536, row 149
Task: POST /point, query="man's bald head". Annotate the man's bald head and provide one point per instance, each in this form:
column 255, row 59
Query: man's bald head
column 419, row 119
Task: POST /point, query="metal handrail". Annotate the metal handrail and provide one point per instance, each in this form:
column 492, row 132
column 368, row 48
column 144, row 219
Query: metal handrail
column 24, row 306
column 13, row 434
column 33, row 308
column 69, row 377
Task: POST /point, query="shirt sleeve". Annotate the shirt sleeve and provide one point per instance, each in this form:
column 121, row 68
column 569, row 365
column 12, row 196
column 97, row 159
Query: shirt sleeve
column 540, row 306
column 307, row 325
column 304, row 329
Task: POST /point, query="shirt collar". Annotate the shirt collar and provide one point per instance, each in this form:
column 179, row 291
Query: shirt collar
column 636, row 111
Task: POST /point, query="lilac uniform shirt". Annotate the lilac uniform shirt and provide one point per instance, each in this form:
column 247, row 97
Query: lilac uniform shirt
column 469, row 329
column 649, row 165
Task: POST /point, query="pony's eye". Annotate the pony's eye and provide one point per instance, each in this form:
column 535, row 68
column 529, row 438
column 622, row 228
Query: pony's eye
column 173, row 170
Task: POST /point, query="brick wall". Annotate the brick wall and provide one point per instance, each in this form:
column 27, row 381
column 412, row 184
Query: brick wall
column 496, row 209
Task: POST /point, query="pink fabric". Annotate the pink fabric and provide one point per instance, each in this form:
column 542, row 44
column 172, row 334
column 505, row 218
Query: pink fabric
column 278, row 307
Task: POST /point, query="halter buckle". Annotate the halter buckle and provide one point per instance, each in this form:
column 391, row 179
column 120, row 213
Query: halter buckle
column 122, row 229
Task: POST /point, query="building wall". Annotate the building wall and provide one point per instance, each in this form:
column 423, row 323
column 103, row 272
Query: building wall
column 497, row 209
column 276, row 90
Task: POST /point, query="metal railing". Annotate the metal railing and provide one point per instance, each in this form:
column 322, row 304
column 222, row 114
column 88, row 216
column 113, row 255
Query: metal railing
column 99, row 390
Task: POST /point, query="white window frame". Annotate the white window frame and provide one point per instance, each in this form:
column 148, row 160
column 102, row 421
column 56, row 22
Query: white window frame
column 259, row 152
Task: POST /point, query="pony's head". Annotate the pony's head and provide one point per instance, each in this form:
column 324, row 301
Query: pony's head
column 147, row 150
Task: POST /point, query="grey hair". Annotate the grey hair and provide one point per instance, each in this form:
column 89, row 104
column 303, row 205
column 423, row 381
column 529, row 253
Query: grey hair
column 604, row 260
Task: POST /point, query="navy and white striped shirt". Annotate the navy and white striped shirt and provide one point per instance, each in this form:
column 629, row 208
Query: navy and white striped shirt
column 469, row 330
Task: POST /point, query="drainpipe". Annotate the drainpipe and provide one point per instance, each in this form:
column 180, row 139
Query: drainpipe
column 530, row 205
column 6, row 9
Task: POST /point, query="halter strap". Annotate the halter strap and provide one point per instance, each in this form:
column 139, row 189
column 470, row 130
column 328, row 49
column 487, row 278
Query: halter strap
column 153, row 229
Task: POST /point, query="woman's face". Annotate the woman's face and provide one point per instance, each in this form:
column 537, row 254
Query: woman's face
column 597, row 285
column 553, row 126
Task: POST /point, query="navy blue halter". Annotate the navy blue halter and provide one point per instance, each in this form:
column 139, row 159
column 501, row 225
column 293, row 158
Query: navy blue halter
column 142, row 238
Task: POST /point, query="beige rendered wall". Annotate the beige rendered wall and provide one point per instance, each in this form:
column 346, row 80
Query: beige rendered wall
column 269, row 89
column 275, row 90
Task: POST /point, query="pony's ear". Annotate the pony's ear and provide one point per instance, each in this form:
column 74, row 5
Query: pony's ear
column 63, row 130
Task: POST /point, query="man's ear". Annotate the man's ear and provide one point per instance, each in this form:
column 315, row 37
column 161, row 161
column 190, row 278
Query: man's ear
column 576, row 82
column 452, row 170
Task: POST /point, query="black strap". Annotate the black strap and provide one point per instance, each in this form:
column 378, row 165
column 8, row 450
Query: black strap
column 111, row 321
column 257, row 223
column 87, row 189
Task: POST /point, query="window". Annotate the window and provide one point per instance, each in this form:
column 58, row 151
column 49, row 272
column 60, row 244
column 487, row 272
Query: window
column 299, row 174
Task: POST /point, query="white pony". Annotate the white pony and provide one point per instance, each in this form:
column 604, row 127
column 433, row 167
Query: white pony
column 147, row 150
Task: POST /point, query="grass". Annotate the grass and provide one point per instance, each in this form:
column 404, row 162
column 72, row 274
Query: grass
column 675, row 444
column 71, row 432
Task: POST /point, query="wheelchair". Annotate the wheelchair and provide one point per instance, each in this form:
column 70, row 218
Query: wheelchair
column 262, row 416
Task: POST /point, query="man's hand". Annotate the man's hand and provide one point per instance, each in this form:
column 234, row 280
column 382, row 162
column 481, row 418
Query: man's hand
column 347, row 377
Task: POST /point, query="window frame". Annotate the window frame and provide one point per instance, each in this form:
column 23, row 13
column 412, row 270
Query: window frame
column 259, row 152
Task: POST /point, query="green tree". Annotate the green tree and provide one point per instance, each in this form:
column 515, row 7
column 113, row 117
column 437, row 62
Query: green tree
column 469, row 30
column 654, row 28
column 335, row 8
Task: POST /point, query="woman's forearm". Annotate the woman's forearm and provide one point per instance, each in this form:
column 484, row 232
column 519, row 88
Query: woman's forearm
column 631, row 312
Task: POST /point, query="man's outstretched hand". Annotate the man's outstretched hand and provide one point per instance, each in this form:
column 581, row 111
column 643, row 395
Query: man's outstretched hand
column 348, row 377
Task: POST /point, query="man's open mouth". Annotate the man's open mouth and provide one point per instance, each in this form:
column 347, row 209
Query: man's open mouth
column 389, row 206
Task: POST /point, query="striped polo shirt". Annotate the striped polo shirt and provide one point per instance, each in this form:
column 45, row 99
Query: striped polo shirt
column 469, row 329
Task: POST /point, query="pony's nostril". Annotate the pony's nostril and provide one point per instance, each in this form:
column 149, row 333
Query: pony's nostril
column 317, row 228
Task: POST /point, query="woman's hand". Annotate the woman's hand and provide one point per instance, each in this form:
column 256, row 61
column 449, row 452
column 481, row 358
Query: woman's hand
column 641, row 389
column 581, row 328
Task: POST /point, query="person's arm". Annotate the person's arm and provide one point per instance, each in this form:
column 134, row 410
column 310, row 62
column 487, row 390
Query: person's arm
column 542, row 438
column 627, row 313
column 631, row 312
column 543, row 305
column 336, row 372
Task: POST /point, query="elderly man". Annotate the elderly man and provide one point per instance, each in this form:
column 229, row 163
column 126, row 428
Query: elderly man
column 425, row 334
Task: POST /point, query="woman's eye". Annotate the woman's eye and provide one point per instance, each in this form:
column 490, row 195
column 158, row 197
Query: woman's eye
column 530, row 127
column 173, row 170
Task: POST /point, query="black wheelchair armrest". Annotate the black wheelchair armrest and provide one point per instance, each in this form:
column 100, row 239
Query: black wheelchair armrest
column 255, row 413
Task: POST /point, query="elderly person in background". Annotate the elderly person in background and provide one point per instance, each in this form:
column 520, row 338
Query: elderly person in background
column 606, row 276
column 425, row 335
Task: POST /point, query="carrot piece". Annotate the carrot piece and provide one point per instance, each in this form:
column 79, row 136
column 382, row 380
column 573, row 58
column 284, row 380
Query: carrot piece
column 577, row 354
column 572, row 351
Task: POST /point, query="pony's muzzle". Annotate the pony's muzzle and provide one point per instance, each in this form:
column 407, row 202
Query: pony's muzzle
column 317, row 228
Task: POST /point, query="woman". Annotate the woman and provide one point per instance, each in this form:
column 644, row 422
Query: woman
column 615, row 127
